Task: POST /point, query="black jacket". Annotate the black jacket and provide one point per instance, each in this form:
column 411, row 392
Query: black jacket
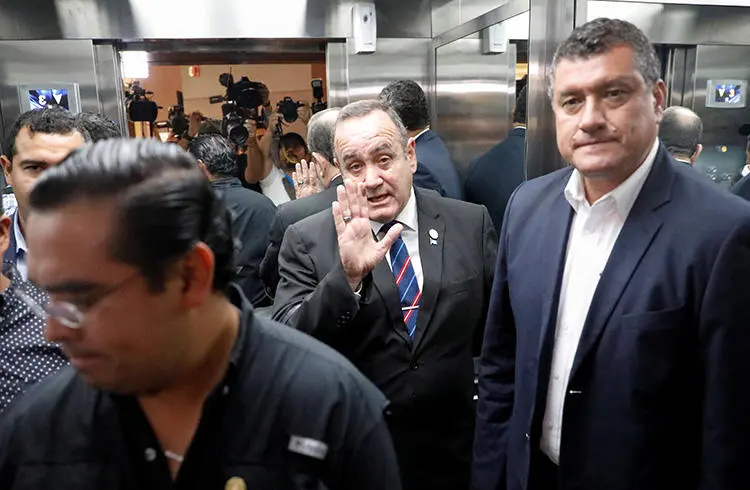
column 430, row 384
column 288, row 214
column 252, row 215
column 289, row 414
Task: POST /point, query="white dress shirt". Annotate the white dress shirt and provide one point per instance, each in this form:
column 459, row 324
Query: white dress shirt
column 272, row 186
column 410, row 235
column 593, row 233
column 21, row 265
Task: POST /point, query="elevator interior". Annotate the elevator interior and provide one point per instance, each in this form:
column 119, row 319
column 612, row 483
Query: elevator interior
column 442, row 44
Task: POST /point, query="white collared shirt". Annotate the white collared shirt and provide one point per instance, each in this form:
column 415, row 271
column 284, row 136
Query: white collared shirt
column 272, row 186
column 21, row 265
column 410, row 235
column 421, row 133
column 593, row 234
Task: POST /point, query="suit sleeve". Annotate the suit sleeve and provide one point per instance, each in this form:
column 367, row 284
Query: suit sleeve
column 320, row 308
column 496, row 379
column 269, row 266
column 489, row 258
column 725, row 344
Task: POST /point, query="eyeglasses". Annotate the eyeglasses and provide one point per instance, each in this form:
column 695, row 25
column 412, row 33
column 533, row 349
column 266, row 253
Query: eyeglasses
column 64, row 312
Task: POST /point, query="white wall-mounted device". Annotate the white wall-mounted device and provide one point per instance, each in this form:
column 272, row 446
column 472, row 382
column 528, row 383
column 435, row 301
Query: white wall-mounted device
column 364, row 27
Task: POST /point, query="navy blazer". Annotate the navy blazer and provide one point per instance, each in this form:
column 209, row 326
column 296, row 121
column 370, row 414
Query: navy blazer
column 435, row 164
column 658, row 394
column 495, row 175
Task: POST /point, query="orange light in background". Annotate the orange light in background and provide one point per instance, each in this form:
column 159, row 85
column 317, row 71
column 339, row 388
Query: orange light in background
column 194, row 71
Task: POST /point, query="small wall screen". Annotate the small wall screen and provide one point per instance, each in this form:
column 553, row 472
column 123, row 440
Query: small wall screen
column 41, row 96
column 726, row 93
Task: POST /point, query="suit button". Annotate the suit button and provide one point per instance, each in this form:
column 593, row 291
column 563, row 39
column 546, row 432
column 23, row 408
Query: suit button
column 414, row 366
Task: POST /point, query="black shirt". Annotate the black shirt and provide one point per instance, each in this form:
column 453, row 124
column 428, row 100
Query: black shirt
column 252, row 215
column 289, row 414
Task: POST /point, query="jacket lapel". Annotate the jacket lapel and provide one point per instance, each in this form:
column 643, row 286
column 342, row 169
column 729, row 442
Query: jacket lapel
column 551, row 265
column 431, row 255
column 636, row 236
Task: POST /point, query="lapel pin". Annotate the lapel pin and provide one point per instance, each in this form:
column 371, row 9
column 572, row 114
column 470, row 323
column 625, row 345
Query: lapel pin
column 433, row 236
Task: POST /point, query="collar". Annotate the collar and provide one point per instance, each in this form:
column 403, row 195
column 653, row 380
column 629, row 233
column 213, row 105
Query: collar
column 624, row 195
column 745, row 169
column 421, row 133
column 407, row 216
column 20, row 240
column 336, row 180
column 226, row 182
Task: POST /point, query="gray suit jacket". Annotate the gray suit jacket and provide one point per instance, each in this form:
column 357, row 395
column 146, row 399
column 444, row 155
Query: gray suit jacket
column 430, row 385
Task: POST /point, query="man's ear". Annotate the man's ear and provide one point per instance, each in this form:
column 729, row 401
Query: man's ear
column 660, row 99
column 321, row 160
column 411, row 154
column 197, row 270
column 7, row 169
column 4, row 233
column 697, row 153
column 204, row 169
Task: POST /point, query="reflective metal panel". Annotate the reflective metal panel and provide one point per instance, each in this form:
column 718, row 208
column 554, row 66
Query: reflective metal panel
column 192, row 19
column 551, row 22
column 679, row 24
column 395, row 59
column 337, row 75
column 109, row 85
column 475, row 94
column 724, row 148
column 45, row 62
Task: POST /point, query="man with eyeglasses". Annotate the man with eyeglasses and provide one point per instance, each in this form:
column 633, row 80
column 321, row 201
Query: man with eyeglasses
column 175, row 382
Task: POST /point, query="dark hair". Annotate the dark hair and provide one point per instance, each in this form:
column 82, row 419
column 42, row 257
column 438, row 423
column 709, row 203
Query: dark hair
column 680, row 130
column 601, row 35
column 52, row 120
column 363, row 108
column 320, row 133
column 292, row 140
column 519, row 112
column 164, row 203
column 215, row 153
column 99, row 127
column 409, row 101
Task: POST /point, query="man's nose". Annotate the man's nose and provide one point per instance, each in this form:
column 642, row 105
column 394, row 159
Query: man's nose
column 372, row 177
column 592, row 116
column 57, row 333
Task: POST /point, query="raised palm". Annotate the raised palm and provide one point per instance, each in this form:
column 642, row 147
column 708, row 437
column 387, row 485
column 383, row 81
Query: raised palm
column 360, row 252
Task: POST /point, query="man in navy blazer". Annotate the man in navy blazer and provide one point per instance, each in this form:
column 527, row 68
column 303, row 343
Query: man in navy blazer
column 435, row 169
column 616, row 352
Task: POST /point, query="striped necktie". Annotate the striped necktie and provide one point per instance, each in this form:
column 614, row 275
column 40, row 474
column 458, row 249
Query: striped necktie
column 406, row 281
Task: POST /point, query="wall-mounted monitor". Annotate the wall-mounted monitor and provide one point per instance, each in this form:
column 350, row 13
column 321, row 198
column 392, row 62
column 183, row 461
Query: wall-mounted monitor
column 726, row 93
column 40, row 96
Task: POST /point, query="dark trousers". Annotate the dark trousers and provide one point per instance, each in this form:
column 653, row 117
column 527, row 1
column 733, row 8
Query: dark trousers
column 545, row 475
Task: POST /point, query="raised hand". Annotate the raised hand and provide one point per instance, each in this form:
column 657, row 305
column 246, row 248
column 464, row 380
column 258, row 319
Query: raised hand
column 359, row 251
column 306, row 179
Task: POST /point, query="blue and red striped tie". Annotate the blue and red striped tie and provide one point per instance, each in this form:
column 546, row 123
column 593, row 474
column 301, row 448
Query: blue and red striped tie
column 406, row 281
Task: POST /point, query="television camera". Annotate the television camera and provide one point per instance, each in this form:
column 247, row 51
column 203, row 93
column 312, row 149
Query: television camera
column 243, row 100
column 140, row 108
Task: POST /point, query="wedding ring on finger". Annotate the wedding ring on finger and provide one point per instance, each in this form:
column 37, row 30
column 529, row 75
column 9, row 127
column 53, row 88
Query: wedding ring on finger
column 347, row 219
column 300, row 182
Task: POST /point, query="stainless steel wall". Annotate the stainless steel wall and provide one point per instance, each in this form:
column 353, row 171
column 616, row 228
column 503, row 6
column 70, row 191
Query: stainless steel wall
column 723, row 147
column 354, row 77
column 475, row 96
column 45, row 62
column 678, row 24
column 447, row 14
column 194, row 19
column 109, row 85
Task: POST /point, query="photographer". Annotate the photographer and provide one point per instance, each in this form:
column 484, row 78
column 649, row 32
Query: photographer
column 265, row 167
